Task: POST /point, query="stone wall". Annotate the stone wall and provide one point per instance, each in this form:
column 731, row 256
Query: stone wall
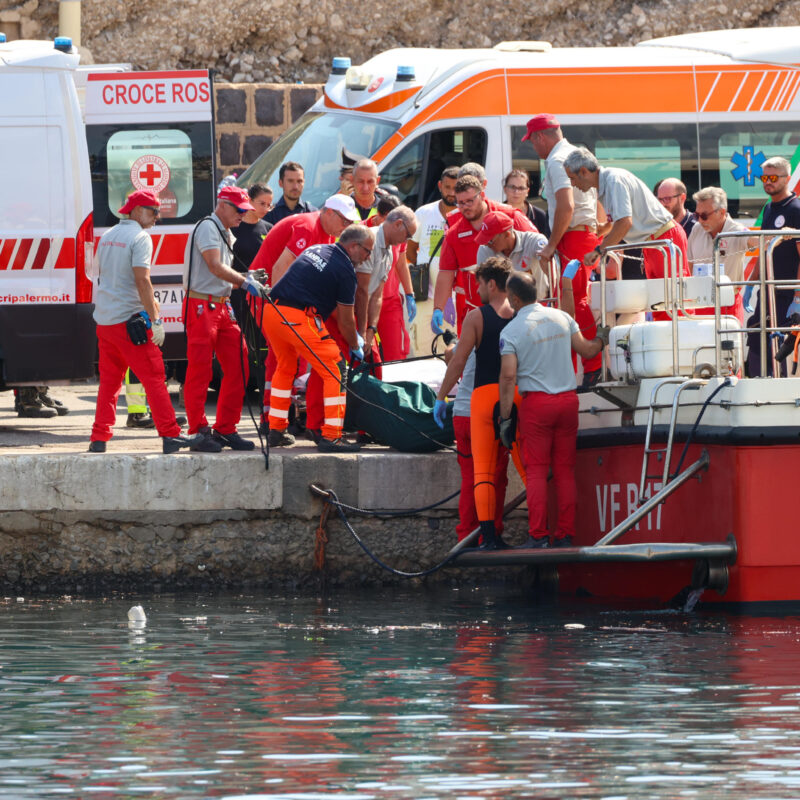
column 250, row 117
column 258, row 41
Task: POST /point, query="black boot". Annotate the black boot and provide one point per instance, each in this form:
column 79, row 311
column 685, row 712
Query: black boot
column 489, row 538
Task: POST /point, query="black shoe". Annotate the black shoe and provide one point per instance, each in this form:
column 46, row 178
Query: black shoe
column 280, row 439
column 296, row 429
column 139, row 420
column 365, row 438
column 564, row 541
column 171, row 444
column 51, row 402
column 233, row 440
column 29, row 406
column 180, row 419
column 337, row 446
column 97, row 446
column 315, row 434
column 204, row 442
column 535, row 543
column 494, row 544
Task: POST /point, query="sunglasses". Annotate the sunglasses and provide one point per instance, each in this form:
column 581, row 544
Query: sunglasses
column 154, row 209
column 510, row 188
column 707, row 214
column 772, row 178
column 238, row 210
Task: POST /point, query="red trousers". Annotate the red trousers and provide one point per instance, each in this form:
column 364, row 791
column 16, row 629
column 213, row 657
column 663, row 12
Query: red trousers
column 117, row 353
column 486, row 450
column 395, row 341
column 211, row 329
column 576, row 244
column 315, row 412
column 654, row 260
column 548, row 427
column 292, row 333
column 467, row 515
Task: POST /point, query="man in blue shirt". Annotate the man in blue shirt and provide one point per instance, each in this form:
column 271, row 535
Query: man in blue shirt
column 321, row 282
column 291, row 179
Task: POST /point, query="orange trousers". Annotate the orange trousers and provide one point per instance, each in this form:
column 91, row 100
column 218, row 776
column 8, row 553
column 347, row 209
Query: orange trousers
column 486, row 448
column 293, row 333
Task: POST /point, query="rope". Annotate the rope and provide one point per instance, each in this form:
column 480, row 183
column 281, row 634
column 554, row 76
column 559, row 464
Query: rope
column 393, row 513
column 332, row 499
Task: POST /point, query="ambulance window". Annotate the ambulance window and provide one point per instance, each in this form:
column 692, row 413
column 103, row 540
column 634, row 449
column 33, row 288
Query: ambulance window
column 173, row 162
column 451, row 147
column 651, row 160
column 732, row 155
column 159, row 161
column 404, row 171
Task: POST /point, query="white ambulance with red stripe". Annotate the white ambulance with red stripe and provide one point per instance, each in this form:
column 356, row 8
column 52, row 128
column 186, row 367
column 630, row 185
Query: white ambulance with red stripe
column 63, row 180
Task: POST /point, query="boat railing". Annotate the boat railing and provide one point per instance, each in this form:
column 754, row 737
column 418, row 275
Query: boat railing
column 766, row 282
column 674, row 298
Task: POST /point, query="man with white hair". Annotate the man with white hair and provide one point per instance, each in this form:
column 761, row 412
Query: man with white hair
column 713, row 219
column 636, row 214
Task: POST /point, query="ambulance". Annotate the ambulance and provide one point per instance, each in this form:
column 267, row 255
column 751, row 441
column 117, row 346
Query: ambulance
column 63, row 179
column 708, row 108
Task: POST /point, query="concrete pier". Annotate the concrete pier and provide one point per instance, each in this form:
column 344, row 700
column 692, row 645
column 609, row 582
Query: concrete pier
column 133, row 519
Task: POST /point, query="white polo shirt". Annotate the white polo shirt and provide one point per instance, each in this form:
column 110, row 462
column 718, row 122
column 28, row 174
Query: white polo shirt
column 541, row 339
column 123, row 247
column 208, row 236
column 555, row 178
column 731, row 252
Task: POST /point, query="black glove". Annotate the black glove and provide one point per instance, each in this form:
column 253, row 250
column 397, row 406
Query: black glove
column 505, row 429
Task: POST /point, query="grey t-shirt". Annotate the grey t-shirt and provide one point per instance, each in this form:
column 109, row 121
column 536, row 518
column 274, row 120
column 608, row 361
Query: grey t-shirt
column 624, row 195
column 461, row 404
column 523, row 257
column 123, row 247
column 209, row 236
column 540, row 337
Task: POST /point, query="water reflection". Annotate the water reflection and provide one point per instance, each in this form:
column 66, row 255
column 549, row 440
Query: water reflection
column 406, row 695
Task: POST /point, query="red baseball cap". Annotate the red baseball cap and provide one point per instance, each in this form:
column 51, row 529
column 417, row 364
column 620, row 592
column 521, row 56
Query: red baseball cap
column 541, row 122
column 141, row 198
column 237, row 196
column 493, row 223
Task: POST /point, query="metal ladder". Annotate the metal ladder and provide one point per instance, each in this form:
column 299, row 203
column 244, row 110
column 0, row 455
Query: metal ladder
column 665, row 452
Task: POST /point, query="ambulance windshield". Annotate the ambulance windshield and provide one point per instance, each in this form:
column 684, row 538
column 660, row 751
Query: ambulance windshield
column 316, row 141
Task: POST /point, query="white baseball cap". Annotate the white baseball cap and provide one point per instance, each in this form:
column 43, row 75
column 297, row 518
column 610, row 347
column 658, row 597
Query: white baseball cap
column 344, row 205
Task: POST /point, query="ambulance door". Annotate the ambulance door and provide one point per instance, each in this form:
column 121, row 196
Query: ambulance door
column 417, row 165
column 154, row 130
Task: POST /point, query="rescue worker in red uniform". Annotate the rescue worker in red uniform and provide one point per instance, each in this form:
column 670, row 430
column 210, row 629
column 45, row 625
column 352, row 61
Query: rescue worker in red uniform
column 129, row 331
column 573, row 222
column 459, row 251
column 319, row 282
column 211, row 327
column 482, row 332
column 285, row 242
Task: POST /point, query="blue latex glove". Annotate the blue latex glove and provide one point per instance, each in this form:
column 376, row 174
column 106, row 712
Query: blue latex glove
column 411, row 307
column 358, row 352
column 746, row 299
column 450, row 311
column 440, row 412
column 794, row 308
column 571, row 270
column 437, row 321
column 146, row 317
column 252, row 286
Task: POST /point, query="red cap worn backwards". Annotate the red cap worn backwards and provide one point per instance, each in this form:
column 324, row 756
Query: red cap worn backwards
column 493, row 223
column 237, row 196
column 140, row 198
column 541, row 122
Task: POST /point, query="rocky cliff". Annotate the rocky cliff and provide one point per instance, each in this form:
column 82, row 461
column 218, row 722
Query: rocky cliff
column 255, row 41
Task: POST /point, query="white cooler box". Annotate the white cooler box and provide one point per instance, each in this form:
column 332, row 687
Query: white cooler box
column 649, row 345
column 625, row 297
